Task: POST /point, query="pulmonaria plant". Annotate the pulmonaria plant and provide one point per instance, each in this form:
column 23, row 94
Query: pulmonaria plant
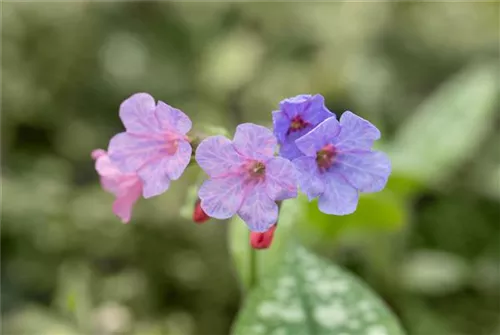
column 245, row 177
column 328, row 159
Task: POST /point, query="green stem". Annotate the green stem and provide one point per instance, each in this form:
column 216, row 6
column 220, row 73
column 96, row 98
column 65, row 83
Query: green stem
column 252, row 268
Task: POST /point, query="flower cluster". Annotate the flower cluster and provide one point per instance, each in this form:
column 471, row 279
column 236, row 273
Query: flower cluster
column 329, row 159
column 334, row 159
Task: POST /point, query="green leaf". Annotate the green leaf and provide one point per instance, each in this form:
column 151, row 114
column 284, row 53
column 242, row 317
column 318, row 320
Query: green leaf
column 449, row 126
column 307, row 295
column 382, row 211
column 403, row 186
column 268, row 258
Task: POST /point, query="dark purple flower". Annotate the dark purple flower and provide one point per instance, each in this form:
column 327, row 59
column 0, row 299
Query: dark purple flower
column 245, row 177
column 339, row 163
column 295, row 118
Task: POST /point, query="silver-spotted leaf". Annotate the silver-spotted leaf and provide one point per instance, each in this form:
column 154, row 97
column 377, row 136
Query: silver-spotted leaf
column 307, row 295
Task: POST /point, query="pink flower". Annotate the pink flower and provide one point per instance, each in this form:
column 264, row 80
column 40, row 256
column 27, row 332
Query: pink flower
column 154, row 146
column 127, row 187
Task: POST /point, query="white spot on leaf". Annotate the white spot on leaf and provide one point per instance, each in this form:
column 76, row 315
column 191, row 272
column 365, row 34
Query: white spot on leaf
column 326, row 287
column 330, row 316
column 258, row 329
column 291, row 313
column 377, row 330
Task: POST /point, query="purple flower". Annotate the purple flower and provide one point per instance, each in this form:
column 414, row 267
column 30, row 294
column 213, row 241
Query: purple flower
column 245, row 177
column 155, row 145
column 339, row 163
column 296, row 117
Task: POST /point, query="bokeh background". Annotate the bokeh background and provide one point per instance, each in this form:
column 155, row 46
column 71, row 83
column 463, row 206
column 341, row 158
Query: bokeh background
column 425, row 73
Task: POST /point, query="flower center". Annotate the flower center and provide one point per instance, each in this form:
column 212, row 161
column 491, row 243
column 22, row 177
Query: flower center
column 297, row 124
column 326, row 156
column 171, row 147
column 256, row 170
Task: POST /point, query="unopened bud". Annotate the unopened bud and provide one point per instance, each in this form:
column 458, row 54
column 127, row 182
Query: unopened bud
column 262, row 240
column 199, row 215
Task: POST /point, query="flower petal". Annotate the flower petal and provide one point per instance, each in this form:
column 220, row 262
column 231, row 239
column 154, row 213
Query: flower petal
column 281, row 124
column 98, row 153
column 105, row 167
column 222, row 197
column 155, row 178
column 281, row 179
column 122, row 206
column 130, row 152
column 367, row 171
column 112, row 179
column 289, row 150
column 157, row 173
column 339, row 198
column 258, row 210
column 356, row 133
column 314, row 110
column 254, row 141
column 176, row 164
column 320, row 136
column 217, row 157
column 171, row 118
column 295, row 105
column 137, row 113
column 309, row 178
column 111, row 184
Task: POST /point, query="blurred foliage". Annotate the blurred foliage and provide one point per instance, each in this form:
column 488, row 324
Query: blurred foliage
column 425, row 73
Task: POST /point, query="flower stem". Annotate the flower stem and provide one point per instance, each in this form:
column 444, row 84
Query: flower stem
column 252, row 268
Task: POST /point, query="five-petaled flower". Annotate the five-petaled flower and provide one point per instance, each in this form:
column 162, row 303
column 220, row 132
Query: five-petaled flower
column 296, row 117
column 339, row 163
column 127, row 187
column 155, row 145
column 245, row 177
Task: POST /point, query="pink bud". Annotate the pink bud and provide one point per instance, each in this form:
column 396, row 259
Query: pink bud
column 262, row 240
column 199, row 215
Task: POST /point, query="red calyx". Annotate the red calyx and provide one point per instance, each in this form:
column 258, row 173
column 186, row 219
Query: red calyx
column 199, row 215
column 262, row 240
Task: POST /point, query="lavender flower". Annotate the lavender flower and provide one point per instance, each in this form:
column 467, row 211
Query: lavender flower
column 245, row 177
column 339, row 163
column 296, row 117
column 155, row 145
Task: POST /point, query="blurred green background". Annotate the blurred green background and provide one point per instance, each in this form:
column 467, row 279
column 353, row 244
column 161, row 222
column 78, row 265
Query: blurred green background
column 425, row 73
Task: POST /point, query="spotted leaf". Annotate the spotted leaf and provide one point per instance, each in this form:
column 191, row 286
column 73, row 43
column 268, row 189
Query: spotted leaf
column 307, row 295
